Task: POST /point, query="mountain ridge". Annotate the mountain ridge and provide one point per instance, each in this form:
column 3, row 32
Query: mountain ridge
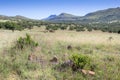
column 106, row 15
column 101, row 16
column 17, row 17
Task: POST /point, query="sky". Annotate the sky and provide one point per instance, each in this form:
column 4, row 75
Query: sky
column 38, row 9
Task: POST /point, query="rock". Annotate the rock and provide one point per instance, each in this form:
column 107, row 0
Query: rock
column 54, row 59
column 85, row 72
column 69, row 47
column 91, row 73
column 68, row 63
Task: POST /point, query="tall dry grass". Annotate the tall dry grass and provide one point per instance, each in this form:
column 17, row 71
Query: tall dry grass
column 96, row 44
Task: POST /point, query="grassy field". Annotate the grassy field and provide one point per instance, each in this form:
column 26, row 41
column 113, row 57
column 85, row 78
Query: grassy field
column 102, row 48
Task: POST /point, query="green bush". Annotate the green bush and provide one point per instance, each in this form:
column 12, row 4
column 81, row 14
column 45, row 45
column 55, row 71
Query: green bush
column 27, row 41
column 71, row 28
column 80, row 61
column 80, row 29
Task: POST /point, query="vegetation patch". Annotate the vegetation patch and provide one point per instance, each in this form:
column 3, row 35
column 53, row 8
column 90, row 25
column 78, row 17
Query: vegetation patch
column 26, row 42
column 16, row 61
column 80, row 61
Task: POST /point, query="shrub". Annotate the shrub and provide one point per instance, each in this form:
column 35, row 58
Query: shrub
column 80, row 61
column 89, row 29
column 63, row 27
column 80, row 29
column 119, row 32
column 71, row 28
column 27, row 41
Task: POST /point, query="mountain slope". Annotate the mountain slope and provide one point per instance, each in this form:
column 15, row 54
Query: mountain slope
column 62, row 17
column 50, row 17
column 17, row 17
column 104, row 13
column 107, row 15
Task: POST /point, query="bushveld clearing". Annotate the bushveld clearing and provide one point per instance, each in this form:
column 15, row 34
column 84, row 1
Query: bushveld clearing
column 105, row 53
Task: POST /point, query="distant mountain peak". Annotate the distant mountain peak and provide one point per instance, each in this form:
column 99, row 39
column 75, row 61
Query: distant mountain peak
column 106, row 15
column 52, row 16
column 65, row 15
column 60, row 16
column 19, row 16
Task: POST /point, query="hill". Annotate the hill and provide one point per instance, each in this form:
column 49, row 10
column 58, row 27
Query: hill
column 17, row 17
column 101, row 16
column 61, row 17
column 107, row 15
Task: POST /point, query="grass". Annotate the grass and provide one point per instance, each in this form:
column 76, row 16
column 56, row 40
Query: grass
column 105, row 55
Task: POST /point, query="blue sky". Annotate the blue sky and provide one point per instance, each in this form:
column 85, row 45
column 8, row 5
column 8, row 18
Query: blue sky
column 38, row 9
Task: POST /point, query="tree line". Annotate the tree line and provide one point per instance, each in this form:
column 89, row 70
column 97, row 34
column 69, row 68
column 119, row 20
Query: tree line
column 21, row 25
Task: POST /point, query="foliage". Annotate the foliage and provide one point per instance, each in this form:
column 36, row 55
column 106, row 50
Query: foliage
column 20, row 25
column 71, row 28
column 16, row 60
column 80, row 61
column 112, row 27
column 11, row 26
column 105, row 27
column 27, row 41
column 19, row 66
column 80, row 29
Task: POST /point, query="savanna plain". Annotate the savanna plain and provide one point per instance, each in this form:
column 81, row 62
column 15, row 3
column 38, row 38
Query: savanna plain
column 61, row 55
